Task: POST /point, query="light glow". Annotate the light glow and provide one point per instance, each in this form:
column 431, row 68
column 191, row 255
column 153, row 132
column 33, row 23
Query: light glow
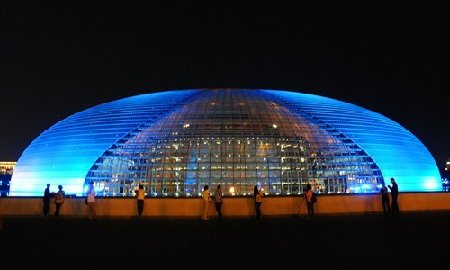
column 177, row 141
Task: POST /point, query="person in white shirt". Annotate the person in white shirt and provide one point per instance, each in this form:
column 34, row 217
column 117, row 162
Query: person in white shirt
column 90, row 200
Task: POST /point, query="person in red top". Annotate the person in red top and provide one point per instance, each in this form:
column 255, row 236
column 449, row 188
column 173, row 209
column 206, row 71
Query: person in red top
column 140, row 196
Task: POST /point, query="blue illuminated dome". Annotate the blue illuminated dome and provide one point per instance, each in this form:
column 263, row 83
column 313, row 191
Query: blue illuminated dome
column 175, row 142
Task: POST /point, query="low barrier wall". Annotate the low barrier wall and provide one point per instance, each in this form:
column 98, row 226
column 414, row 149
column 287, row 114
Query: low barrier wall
column 232, row 206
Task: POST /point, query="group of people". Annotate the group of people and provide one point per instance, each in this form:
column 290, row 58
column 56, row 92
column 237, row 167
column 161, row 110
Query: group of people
column 59, row 198
column 389, row 206
column 206, row 195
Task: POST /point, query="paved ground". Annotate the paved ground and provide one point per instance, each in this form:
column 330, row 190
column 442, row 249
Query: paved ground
column 356, row 242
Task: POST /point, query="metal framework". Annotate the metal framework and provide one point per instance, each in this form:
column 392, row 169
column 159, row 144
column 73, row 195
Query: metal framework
column 176, row 142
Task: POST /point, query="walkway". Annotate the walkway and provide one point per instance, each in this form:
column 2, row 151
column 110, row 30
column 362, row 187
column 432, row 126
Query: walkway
column 357, row 241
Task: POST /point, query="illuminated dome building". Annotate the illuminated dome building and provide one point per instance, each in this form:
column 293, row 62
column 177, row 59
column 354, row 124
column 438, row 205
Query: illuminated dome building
column 175, row 142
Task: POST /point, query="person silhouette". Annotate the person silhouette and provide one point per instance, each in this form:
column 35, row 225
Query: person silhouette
column 258, row 197
column 385, row 199
column 394, row 197
column 46, row 201
column 218, row 201
column 59, row 199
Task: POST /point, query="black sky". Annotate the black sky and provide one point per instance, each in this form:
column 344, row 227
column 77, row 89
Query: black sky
column 61, row 57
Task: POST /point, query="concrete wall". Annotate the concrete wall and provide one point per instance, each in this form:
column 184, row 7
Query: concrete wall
column 232, row 206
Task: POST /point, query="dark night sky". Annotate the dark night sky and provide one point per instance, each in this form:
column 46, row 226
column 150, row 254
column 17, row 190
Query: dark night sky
column 58, row 58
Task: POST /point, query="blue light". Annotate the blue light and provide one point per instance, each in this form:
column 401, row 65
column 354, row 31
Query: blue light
column 396, row 151
column 69, row 150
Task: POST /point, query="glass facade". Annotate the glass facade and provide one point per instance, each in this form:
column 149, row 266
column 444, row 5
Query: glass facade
column 175, row 142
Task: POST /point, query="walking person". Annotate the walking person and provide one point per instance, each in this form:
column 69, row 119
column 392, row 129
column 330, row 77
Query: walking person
column 309, row 201
column 90, row 200
column 46, row 201
column 218, row 202
column 385, row 199
column 59, row 200
column 206, row 201
column 394, row 197
column 258, row 197
column 140, row 195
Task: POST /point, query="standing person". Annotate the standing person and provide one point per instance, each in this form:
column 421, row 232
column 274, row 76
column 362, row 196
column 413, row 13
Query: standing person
column 206, row 200
column 140, row 195
column 59, row 199
column 394, row 196
column 90, row 200
column 258, row 196
column 46, row 201
column 385, row 199
column 309, row 202
column 218, row 201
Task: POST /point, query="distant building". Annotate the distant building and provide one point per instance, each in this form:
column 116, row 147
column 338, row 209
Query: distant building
column 6, row 171
column 447, row 166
